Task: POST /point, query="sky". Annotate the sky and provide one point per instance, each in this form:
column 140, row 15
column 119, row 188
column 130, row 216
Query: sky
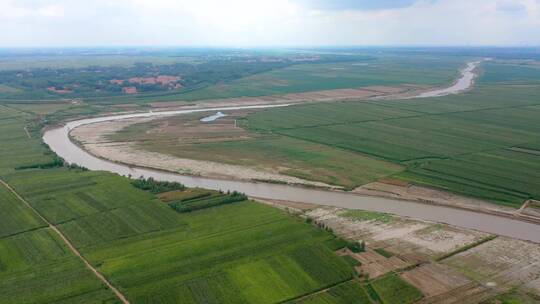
column 269, row 23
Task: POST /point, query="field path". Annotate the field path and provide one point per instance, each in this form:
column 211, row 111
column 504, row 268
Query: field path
column 100, row 276
column 27, row 133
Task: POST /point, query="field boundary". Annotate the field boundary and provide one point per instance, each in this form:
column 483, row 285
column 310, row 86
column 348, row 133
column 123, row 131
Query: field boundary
column 465, row 248
column 74, row 250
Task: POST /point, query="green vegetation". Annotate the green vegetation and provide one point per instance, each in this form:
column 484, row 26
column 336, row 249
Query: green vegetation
column 242, row 252
column 237, row 252
column 289, row 156
column 482, row 143
column 393, row 290
column 463, row 143
column 185, row 195
column 156, row 187
column 351, row 261
column 514, row 297
column 383, row 252
column 347, row 293
column 511, row 72
column 198, row 203
column 368, row 216
column 384, row 70
column 101, row 77
column 357, row 247
column 15, row 217
column 36, row 267
column 17, row 149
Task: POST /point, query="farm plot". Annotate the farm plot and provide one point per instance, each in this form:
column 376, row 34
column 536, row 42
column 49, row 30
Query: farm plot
column 411, row 241
column 435, row 279
column 92, row 207
column 393, row 290
column 480, row 144
column 385, row 70
column 36, row 267
column 228, row 254
column 501, row 262
column 428, row 136
column 15, row 216
column 503, row 176
column 346, row 293
column 510, row 72
column 16, row 148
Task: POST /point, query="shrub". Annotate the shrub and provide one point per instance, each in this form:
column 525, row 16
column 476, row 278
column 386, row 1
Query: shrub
column 55, row 163
column 207, row 202
column 156, row 187
column 357, row 246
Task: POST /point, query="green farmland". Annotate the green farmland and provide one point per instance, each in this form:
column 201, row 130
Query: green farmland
column 483, row 143
column 230, row 251
column 384, row 70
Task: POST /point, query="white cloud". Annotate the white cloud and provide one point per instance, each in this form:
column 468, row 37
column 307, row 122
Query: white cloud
column 266, row 22
column 10, row 10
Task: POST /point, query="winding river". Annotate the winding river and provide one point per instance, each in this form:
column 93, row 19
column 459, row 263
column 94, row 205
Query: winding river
column 59, row 141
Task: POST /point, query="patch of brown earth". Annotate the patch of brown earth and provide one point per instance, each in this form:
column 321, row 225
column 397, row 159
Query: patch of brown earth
column 471, row 276
column 413, row 240
column 375, row 265
column 501, row 262
column 187, row 129
column 531, row 208
column 435, row 279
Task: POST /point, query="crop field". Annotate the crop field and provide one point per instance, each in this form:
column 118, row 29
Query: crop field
column 511, row 72
column 36, row 267
column 176, row 245
column 228, row 254
column 92, row 207
column 384, row 70
column 346, row 293
column 16, row 148
column 392, row 289
column 483, row 143
column 15, row 217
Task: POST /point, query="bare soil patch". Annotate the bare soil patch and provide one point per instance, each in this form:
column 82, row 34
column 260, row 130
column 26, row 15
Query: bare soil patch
column 375, row 265
column 435, row 279
column 412, row 240
column 502, row 262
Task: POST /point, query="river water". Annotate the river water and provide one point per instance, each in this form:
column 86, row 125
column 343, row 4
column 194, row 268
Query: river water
column 214, row 117
column 59, row 141
column 462, row 84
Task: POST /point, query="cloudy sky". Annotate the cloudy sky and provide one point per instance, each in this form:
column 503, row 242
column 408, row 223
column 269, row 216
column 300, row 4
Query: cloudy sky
column 242, row 23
